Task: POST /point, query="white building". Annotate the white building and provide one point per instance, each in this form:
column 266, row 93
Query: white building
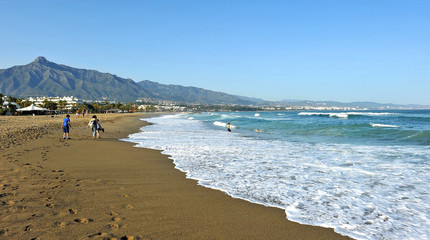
column 70, row 101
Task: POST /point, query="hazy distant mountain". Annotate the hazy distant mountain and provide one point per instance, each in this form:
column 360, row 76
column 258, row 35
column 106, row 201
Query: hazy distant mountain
column 44, row 78
column 360, row 105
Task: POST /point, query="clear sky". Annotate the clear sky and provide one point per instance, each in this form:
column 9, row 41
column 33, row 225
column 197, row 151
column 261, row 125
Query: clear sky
column 345, row 50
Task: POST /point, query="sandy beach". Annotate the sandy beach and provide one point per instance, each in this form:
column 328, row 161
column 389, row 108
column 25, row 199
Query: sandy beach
column 51, row 188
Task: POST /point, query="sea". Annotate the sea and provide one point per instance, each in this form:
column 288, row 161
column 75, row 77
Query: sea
column 366, row 174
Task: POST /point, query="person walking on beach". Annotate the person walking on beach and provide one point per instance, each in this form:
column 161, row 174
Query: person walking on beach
column 99, row 128
column 229, row 127
column 66, row 127
column 93, row 124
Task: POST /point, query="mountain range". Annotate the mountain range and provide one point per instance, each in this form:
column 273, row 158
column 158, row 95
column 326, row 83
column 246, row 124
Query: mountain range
column 45, row 78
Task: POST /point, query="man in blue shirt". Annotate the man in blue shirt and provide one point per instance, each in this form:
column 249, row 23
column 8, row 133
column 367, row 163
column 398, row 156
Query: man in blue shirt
column 66, row 126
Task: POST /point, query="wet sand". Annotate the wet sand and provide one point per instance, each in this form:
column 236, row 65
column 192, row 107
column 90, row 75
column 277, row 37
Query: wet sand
column 51, row 188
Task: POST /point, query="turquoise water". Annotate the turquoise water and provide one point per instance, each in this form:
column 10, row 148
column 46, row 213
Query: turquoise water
column 364, row 173
column 369, row 127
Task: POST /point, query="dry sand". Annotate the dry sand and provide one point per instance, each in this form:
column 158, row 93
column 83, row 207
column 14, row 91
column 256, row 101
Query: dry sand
column 82, row 188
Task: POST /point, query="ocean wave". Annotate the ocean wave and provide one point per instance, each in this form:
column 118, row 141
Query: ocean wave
column 383, row 125
column 222, row 124
column 344, row 114
column 338, row 115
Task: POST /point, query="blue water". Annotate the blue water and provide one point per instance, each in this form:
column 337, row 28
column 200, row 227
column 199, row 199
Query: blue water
column 364, row 173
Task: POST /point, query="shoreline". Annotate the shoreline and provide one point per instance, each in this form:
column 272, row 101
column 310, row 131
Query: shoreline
column 107, row 189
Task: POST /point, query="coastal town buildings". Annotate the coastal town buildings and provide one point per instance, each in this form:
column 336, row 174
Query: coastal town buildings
column 162, row 108
column 69, row 101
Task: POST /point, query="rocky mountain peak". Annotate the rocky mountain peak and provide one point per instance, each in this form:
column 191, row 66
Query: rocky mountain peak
column 40, row 60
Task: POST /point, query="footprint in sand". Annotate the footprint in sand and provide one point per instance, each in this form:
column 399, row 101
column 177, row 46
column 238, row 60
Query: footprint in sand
column 127, row 237
column 83, row 220
column 10, row 203
column 28, row 228
column 113, row 226
column 115, row 216
column 4, row 232
column 102, row 235
column 112, row 213
column 59, row 224
column 73, row 211
column 6, row 194
column 21, row 208
column 129, row 206
column 50, row 205
column 34, row 216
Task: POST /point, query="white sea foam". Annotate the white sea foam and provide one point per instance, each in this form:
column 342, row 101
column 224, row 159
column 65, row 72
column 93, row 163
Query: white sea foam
column 363, row 191
column 338, row 115
column 222, row 124
column 383, row 125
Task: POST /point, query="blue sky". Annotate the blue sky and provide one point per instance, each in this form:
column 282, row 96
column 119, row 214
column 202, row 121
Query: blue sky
column 316, row 50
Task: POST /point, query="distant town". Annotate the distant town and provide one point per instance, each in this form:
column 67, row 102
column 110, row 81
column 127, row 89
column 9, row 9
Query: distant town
column 70, row 104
